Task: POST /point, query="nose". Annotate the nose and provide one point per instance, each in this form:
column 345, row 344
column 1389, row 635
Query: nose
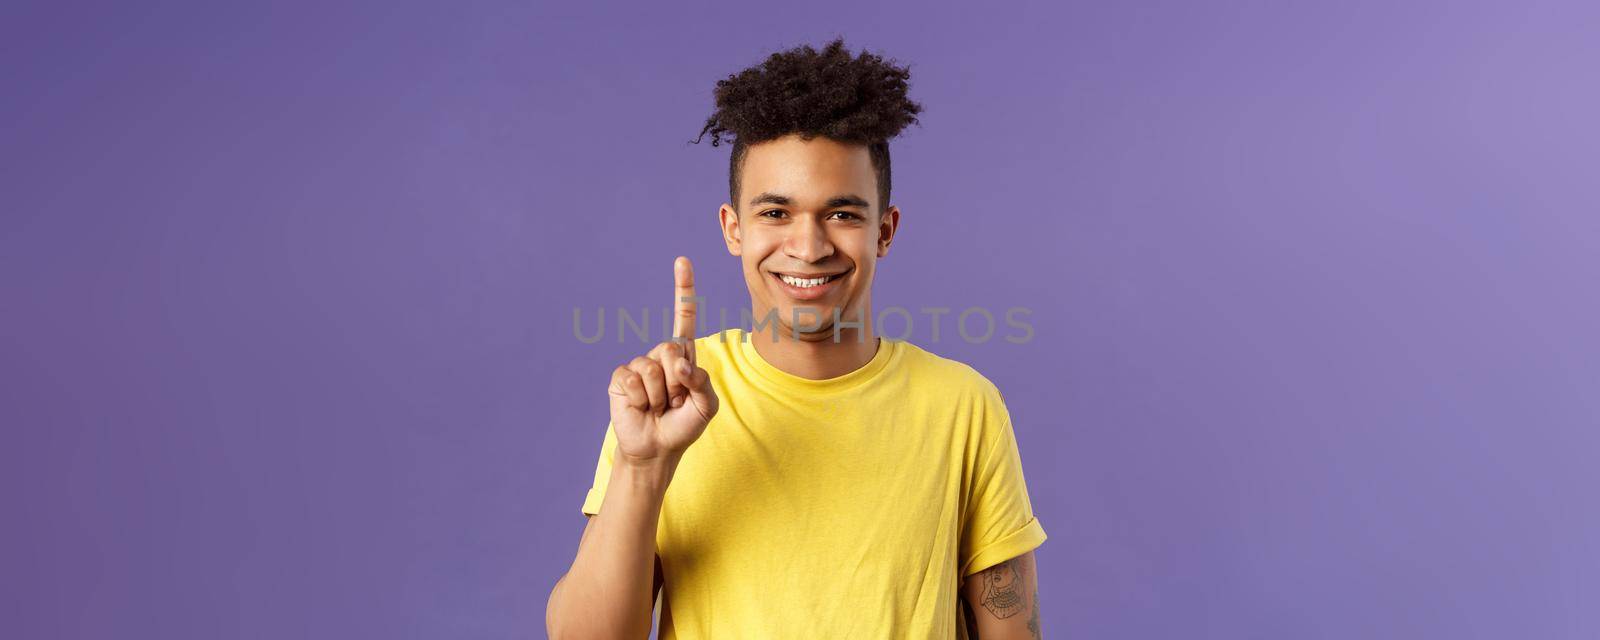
column 807, row 242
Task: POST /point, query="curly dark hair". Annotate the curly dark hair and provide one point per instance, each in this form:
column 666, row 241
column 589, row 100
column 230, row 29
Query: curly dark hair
column 859, row 100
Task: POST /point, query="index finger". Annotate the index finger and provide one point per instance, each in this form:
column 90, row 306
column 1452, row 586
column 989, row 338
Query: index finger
column 683, row 304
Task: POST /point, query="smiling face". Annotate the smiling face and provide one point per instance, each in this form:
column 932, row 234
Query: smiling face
column 809, row 232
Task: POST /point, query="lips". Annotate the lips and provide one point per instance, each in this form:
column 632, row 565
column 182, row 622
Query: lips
column 804, row 282
column 807, row 286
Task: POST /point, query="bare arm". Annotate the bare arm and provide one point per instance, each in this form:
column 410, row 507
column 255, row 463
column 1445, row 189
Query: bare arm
column 611, row 587
column 1002, row 602
column 660, row 404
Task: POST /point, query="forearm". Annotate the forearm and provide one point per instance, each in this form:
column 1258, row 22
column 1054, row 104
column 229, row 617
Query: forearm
column 608, row 591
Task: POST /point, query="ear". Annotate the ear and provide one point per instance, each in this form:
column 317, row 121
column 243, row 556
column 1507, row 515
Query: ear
column 888, row 224
column 729, row 219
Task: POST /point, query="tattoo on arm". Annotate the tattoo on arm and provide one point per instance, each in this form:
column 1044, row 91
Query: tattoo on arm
column 1002, row 589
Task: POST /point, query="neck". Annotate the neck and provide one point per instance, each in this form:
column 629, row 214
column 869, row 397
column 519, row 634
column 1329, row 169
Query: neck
column 816, row 356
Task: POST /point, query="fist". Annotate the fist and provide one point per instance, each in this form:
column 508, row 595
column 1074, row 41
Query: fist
column 662, row 401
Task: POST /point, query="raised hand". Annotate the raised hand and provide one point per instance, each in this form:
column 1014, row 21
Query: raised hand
column 662, row 401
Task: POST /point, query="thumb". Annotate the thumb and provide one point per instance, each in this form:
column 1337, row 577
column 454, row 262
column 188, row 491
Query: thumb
column 701, row 393
column 625, row 393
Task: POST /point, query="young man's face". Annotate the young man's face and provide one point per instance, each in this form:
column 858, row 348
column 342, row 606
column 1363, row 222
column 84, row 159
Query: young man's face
column 809, row 211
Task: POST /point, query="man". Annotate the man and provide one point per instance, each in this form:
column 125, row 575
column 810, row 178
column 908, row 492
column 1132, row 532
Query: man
column 804, row 479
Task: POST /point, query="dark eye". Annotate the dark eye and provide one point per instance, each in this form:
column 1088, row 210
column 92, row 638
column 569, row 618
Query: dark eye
column 776, row 211
column 847, row 214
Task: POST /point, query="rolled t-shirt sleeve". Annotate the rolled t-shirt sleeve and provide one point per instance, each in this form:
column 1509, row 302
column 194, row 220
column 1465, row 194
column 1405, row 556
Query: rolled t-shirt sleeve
column 998, row 523
column 602, row 473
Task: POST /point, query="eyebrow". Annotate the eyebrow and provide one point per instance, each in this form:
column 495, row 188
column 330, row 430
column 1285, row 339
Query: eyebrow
column 846, row 200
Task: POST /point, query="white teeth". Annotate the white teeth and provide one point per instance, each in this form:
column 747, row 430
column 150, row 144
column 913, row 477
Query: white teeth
column 804, row 283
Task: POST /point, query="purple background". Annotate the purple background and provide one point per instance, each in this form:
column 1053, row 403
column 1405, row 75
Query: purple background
column 286, row 329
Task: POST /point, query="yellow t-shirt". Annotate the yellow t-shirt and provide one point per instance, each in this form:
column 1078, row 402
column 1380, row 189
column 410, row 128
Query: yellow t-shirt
column 840, row 508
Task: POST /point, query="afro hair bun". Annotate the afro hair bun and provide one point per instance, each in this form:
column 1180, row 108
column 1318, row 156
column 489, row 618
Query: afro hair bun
column 803, row 91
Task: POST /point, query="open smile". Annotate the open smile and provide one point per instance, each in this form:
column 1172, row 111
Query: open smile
column 807, row 286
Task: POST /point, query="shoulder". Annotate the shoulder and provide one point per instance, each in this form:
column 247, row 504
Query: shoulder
column 948, row 374
column 981, row 421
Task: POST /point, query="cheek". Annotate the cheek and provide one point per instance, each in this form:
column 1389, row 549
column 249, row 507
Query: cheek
column 754, row 275
column 861, row 248
column 865, row 266
column 758, row 246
